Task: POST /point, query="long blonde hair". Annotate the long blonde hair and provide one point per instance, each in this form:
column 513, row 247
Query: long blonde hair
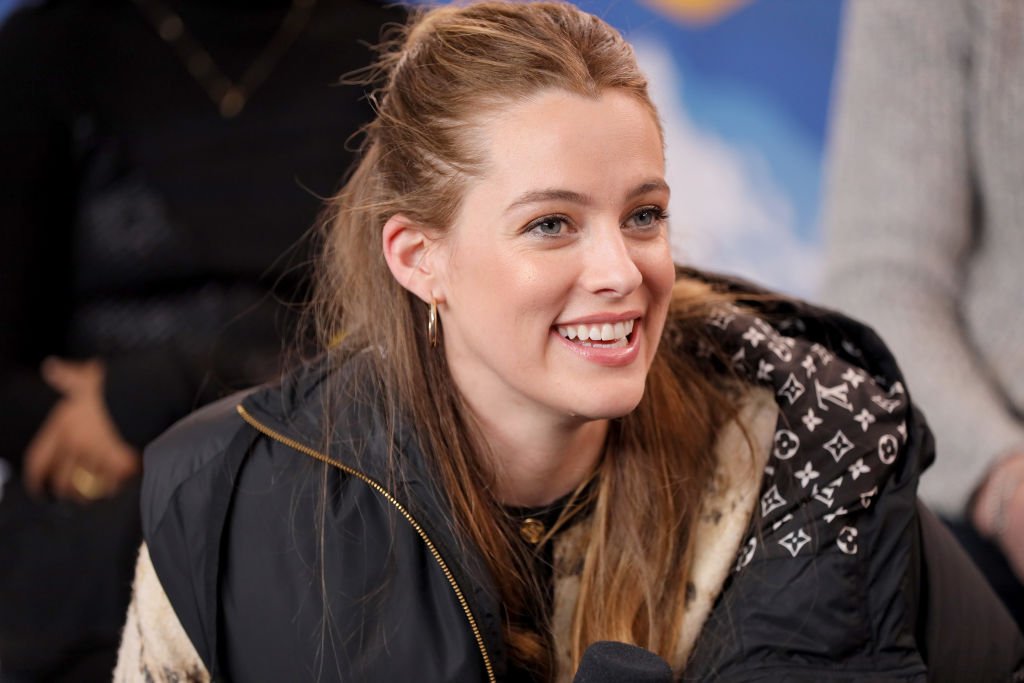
column 433, row 80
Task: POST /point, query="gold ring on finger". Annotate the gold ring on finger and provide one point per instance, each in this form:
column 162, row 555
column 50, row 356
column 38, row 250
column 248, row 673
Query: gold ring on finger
column 87, row 484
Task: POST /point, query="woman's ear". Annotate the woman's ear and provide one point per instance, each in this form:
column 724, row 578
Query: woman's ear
column 409, row 251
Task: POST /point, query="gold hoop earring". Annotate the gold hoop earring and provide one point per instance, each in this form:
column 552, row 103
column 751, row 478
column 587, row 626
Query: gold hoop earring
column 432, row 324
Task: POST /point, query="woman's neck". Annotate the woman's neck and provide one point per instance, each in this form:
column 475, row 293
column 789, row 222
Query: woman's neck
column 537, row 461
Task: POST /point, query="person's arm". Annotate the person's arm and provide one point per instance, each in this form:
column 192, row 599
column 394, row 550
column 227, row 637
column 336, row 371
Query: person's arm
column 36, row 204
column 143, row 391
column 899, row 224
column 58, row 431
column 49, row 431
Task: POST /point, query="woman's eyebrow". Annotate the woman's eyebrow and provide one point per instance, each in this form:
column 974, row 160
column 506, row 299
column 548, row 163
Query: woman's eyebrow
column 538, row 196
column 648, row 186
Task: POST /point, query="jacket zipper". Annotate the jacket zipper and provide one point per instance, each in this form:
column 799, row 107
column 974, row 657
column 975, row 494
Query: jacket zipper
column 306, row 450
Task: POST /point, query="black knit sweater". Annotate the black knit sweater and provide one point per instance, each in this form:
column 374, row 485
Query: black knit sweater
column 141, row 227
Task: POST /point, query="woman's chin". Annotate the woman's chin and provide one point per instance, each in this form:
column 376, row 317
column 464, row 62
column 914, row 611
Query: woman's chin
column 609, row 408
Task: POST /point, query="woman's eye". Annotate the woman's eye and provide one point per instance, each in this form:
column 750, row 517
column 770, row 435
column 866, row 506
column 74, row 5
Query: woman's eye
column 552, row 226
column 647, row 217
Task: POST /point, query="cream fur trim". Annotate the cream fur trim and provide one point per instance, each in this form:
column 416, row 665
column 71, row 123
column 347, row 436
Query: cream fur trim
column 727, row 510
column 725, row 516
column 154, row 646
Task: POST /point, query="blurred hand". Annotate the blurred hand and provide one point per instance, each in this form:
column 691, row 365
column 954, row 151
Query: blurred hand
column 1012, row 539
column 1004, row 488
column 78, row 453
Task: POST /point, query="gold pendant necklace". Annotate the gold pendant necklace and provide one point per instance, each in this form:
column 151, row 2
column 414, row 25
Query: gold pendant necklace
column 230, row 97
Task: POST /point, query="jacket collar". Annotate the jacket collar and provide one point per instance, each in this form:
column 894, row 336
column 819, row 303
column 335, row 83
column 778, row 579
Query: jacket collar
column 304, row 407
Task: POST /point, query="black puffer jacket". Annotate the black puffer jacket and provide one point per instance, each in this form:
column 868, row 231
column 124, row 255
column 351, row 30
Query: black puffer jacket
column 831, row 584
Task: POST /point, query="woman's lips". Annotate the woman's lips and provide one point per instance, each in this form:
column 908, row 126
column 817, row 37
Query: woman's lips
column 615, row 352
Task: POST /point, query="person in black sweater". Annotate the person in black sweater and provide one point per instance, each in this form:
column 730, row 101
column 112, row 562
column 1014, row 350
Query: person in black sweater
column 159, row 162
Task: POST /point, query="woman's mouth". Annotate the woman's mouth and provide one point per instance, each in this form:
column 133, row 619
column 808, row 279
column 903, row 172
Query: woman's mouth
column 600, row 335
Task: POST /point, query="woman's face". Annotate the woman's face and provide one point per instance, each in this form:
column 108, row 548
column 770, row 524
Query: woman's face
column 556, row 276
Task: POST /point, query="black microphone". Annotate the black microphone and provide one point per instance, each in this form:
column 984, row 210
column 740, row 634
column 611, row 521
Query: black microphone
column 607, row 661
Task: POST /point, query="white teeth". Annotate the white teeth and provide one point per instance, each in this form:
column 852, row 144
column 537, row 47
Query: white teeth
column 617, row 344
column 616, row 332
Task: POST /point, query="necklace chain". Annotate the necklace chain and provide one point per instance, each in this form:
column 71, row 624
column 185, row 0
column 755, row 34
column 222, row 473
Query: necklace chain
column 230, row 97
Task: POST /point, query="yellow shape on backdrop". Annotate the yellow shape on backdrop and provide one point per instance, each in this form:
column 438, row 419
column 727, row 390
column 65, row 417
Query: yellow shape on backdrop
column 697, row 11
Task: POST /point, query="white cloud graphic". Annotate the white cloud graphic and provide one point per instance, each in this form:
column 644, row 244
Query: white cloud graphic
column 726, row 213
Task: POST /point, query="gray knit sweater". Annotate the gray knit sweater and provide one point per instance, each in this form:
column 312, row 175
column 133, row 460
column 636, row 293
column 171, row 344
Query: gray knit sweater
column 925, row 216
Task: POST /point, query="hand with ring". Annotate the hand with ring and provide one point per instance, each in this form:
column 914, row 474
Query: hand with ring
column 87, row 485
column 78, row 453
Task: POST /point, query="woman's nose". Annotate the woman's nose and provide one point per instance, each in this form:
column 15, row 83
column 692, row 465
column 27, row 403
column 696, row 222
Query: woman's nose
column 609, row 267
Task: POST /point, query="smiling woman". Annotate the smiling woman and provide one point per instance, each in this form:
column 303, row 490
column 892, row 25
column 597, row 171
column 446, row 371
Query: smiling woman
column 567, row 230
column 528, row 431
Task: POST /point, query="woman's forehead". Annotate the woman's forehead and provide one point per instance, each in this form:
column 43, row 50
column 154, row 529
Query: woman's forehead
column 558, row 140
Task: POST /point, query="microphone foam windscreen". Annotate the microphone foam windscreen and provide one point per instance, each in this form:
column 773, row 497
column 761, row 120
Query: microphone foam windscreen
column 607, row 662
